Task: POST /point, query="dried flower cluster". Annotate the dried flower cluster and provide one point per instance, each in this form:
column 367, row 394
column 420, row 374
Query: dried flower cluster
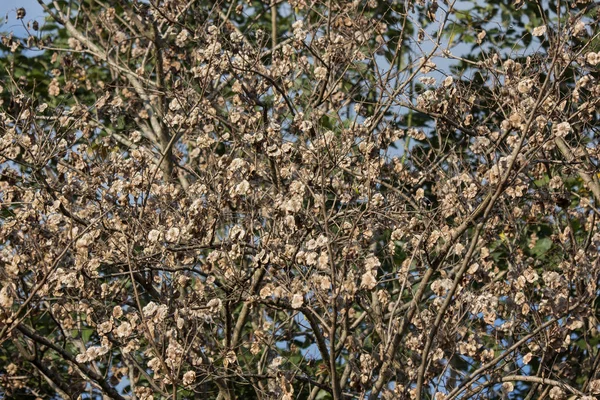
column 299, row 200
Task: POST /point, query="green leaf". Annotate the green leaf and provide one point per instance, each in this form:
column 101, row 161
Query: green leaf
column 541, row 247
column 86, row 334
column 543, row 181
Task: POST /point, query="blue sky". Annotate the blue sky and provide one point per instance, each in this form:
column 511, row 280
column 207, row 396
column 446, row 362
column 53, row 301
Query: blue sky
column 8, row 9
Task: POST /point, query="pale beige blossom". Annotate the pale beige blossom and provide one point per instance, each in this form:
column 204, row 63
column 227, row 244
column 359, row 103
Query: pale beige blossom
column 562, row 129
column 508, row 387
column 6, row 298
column 368, row 280
column 189, row 378
column 124, row 330
column 539, row 30
column 172, row 234
column 297, row 300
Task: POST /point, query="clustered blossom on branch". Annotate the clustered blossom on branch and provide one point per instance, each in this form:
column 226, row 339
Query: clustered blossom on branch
column 298, row 200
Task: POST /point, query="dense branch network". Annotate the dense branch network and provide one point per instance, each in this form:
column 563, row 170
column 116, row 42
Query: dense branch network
column 299, row 199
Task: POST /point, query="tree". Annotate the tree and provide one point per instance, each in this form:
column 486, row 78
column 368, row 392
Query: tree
column 300, row 199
